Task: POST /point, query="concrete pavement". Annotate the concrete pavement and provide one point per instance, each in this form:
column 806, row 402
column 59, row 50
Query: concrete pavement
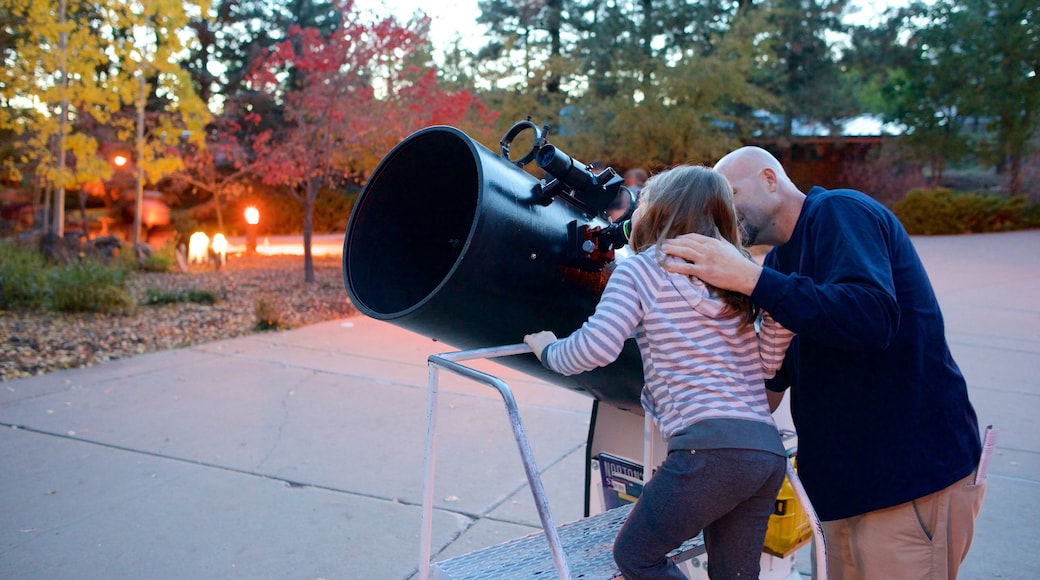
column 299, row 454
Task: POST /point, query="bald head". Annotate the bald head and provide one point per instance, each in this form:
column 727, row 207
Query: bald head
column 767, row 202
column 749, row 161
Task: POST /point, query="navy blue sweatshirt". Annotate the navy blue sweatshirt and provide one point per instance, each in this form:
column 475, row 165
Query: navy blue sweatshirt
column 880, row 406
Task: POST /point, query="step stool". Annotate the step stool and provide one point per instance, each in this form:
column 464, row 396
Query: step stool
column 579, row 549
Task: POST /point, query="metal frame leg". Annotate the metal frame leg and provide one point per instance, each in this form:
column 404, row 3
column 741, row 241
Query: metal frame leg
column 814, row 521
column 450, row 361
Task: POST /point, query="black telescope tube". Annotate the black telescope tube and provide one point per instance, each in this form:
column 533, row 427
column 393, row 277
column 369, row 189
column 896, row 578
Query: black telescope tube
column 449, row 240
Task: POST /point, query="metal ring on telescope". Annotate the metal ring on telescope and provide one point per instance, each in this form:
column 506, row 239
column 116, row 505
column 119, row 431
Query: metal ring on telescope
column 516, row 129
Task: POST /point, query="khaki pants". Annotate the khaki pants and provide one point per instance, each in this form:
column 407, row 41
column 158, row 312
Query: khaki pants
column 927, row 538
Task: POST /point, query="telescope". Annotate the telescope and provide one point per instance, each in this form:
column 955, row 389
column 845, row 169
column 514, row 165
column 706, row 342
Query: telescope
column 457, row 243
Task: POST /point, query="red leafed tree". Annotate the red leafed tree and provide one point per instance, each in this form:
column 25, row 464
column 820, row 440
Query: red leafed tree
column 345, row 99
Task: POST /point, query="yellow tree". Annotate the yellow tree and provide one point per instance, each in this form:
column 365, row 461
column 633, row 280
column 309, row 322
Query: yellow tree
column 50, row 73
column 77, row 64
column 148, row 44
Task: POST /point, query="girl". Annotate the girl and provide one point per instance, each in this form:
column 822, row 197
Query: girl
column 704, row 365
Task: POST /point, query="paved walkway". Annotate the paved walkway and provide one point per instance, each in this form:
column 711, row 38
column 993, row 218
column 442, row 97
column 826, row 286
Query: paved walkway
column 299, row 454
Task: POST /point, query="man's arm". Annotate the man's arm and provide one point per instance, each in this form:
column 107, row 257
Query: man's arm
column 848, row 302
column 774, row 398
column 715, row 262
column 776, row 386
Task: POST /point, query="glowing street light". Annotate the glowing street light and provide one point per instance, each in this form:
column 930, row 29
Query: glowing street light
column 120, row 160
column 220, row 248
column 198, row 246
column 252, row 219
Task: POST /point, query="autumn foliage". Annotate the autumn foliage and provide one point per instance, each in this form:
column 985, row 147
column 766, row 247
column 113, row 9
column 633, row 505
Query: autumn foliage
column 344, row 99
column 344, row 94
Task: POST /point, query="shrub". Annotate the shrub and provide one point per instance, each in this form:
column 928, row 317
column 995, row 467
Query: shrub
column 1031, row 216
column 158, row 261
column 989, row 213
column 268, row 315
column 145, row 258
column 88, row 286
column 22, row 277
column 156, row 296
column 940, row 211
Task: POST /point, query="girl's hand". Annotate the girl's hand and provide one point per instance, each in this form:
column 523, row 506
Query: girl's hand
column 538, row 341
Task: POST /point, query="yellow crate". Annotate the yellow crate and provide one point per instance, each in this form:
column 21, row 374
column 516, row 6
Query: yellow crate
column 788, row 526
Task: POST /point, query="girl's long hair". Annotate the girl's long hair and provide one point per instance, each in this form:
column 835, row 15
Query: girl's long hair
column 691, row 199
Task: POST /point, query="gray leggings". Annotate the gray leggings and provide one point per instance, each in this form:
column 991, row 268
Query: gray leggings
column 727, row 493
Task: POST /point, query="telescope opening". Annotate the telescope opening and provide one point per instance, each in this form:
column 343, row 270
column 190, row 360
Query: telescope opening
column 412, row 223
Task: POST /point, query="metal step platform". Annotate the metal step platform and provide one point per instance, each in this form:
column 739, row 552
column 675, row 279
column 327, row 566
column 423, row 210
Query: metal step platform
column 587, row 544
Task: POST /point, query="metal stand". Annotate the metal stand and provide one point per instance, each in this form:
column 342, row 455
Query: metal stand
column 450, row 361
column 820, row 550
column 584, row 536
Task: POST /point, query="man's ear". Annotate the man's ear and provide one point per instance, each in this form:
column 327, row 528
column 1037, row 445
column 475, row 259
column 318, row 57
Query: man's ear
column 772, row 182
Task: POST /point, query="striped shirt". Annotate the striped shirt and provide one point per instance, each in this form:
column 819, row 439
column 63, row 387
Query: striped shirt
column 699, row 361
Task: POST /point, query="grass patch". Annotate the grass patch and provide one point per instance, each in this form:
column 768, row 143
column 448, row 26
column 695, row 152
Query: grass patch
column 156, row 296
column 28, row 281
column 160, row 261
column 23, row 279
column 88, row 286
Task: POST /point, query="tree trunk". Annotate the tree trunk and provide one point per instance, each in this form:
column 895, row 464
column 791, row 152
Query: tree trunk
column 938, row 166
column 1015, row 176
column 308, row 229
column 83, row 213
column 553, row 24
column 216, row 206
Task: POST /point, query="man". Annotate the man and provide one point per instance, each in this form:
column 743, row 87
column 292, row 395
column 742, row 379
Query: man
column 888, row 441
column 635, row 179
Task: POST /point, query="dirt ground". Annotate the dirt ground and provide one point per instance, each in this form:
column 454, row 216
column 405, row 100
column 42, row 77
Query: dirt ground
column 247, row 289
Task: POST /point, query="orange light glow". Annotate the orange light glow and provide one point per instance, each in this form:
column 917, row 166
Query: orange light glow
column 252, row 216
column 198, row 245
column 120, row 160
column 219, row 244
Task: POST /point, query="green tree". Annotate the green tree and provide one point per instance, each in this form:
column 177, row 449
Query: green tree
column 875, row 54
column 914, row 89
column 920, row 99
column 965, row 81
column 526, row 47
column 986, row 53
column 682, row 104
column 649, row 82
column 619, row 42
column 798, row 64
